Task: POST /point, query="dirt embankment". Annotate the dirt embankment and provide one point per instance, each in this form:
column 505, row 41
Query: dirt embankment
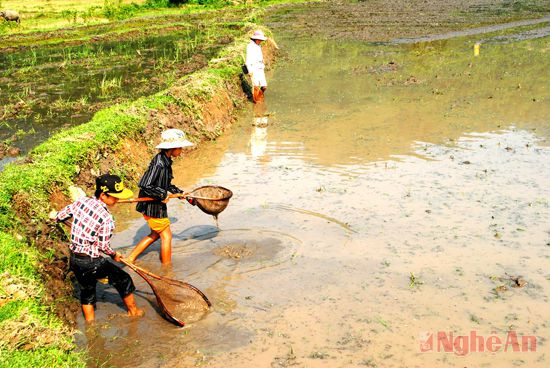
column 203, row 116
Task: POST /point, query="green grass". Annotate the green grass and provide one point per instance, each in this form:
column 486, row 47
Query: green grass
column 44, row 341
column 44, row 357
column 81, row 20
column 15, row 260
column 56, row 160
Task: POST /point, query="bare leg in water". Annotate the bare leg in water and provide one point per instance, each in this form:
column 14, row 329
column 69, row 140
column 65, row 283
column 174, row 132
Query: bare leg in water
column 258, row 94
column 165, row 246
column 129, row 302
column 133, row 310
column 142, row 245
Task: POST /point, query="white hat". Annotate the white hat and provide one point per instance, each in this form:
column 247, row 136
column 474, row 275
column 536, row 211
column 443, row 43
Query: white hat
column 174, row 138
column 258, row 35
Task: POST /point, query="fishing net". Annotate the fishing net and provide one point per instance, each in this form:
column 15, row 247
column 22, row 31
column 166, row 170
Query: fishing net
column 180, row 302
column 211, row 199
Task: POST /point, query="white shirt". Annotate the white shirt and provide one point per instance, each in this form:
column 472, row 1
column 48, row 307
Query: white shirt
column 254, row 57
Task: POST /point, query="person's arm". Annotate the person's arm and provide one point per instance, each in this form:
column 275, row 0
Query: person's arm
column 174, row 189
column 149, row 183
column 65, row 213
column 253, row 60
column 104, row 234
column 248, row 61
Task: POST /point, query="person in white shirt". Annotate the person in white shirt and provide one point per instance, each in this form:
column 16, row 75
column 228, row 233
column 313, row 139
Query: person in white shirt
column 255, row 65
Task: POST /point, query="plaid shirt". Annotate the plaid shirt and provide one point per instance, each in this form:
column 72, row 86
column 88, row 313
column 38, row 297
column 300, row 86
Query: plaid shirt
column 92, row 226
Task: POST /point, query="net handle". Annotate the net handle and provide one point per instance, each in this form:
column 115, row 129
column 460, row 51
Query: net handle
column 144, row 273
column 170, row 196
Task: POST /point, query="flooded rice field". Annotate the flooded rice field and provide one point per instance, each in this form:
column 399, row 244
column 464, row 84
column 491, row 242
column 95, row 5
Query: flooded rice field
column 398, row 194
column 44, row 90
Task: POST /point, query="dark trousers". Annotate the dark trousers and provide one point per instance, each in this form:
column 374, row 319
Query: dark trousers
column 87, row 270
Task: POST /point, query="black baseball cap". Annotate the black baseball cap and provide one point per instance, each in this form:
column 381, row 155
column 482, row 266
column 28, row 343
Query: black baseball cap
column 113, row 186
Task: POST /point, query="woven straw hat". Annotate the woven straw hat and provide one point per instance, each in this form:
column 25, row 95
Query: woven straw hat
column 258, row 35
column 174, row 138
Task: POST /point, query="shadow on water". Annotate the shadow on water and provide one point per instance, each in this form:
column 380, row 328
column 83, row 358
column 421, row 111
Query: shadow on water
column 214, row 257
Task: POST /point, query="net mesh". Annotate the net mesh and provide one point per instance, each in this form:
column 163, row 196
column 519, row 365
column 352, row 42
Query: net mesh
column 179, row 300
column 220, row 198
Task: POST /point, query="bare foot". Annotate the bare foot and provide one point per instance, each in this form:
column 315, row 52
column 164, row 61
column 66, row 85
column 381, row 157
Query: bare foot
column 135, row 312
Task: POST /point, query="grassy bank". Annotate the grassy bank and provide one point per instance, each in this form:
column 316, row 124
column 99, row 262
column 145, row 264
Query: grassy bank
column 118, row 139
column 31, row 335
column 54, row 88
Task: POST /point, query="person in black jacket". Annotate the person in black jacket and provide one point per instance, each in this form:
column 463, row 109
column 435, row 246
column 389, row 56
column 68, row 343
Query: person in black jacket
column 157, row 183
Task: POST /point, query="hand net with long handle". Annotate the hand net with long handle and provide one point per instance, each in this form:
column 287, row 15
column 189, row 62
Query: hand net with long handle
column 180, row 302
column 211, row 199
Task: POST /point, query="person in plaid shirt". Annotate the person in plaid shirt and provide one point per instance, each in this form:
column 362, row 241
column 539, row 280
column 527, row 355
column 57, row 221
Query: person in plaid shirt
column 91, row 233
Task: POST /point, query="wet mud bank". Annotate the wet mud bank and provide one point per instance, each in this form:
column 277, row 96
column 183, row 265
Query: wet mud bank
column 119, row 139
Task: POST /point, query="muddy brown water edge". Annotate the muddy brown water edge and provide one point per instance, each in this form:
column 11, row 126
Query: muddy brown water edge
column 396, row 191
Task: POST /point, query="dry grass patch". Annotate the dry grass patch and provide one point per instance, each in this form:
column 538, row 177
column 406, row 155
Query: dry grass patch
column 14, row 288
column 28, row 333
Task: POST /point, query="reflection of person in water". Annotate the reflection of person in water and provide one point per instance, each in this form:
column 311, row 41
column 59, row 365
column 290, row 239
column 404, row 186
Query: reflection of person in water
column 260, row 121
column 258, row 141
column 255, row 66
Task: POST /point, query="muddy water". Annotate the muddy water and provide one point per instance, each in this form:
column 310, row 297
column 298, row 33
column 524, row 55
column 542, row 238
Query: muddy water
column 391, row 195
column 476, row 31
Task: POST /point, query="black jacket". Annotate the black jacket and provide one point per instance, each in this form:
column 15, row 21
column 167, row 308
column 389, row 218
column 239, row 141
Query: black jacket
column 156, row 183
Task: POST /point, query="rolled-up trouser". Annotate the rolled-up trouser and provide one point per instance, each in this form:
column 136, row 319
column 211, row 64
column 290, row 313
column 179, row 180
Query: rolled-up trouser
column 87, row 270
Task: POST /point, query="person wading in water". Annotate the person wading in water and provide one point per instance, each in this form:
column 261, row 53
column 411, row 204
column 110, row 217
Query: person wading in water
column 255, row 65
column 157, row 183
column 91, row 233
